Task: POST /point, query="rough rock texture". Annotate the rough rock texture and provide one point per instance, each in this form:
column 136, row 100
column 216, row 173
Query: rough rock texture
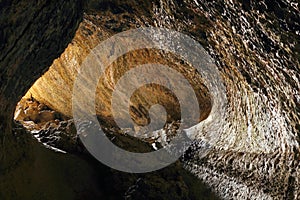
column 32, row 34
column 255, row 149
column 55, row 87
column 256, row 47
column 60, row 135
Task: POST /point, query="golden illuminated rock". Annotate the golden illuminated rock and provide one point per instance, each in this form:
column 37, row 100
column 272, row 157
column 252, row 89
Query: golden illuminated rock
column 55, row 87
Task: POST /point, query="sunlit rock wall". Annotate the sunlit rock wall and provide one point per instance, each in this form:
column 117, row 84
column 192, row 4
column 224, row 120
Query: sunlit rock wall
column 55, row 87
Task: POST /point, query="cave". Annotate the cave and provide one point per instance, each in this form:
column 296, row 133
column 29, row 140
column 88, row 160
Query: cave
column 245, row 142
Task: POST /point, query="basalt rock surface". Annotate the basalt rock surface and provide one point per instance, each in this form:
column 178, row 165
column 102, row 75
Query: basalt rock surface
column 253, row 150
column 58, row 134
column 32, row 34
column 55, row 87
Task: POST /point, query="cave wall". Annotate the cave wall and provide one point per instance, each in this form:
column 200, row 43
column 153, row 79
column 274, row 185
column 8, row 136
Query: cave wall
column 256, row 47
column 55, row 87
column 32, row 35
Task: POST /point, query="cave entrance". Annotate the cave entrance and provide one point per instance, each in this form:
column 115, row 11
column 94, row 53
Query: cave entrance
column 46, row 109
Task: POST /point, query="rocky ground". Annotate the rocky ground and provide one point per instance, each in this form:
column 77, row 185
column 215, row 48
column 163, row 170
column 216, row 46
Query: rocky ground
column 51, row 128
column 58, row 133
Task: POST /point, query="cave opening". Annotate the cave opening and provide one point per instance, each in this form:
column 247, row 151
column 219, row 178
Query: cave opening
column 46, row 109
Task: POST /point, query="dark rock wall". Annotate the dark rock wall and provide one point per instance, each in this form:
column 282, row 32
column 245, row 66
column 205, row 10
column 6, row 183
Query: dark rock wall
column 32, row 34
